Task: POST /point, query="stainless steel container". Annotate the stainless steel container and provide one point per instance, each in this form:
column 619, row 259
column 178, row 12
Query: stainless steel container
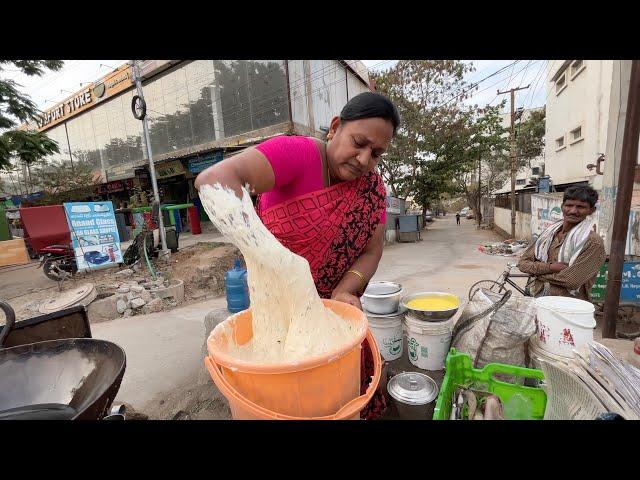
column 430, row 316
column 414, row 395
column 382, row 298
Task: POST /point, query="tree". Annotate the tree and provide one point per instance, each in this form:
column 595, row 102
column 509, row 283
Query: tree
column 61, row 184
column 530, row 137
column 429, row 96
column 30, row 147
column 486, row 148
column 14, row 106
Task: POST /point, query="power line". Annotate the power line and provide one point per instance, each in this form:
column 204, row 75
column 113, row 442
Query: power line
column 536, row 80
column 484, row 89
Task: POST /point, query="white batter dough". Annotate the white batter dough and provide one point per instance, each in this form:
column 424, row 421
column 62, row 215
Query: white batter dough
column 290, row 321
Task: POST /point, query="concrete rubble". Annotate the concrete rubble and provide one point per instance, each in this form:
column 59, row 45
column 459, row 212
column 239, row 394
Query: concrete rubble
column 135, row 296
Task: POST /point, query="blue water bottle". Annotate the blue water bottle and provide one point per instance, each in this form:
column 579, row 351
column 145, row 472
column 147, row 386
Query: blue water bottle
column 235, row 284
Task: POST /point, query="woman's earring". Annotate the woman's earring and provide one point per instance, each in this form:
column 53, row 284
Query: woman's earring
column 329, row 136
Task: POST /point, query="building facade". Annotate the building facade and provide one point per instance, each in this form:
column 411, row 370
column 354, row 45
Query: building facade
column 198, row 112
column 578, row 100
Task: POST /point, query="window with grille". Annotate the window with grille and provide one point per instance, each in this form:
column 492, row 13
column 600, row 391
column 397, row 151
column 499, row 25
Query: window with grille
column 561, row 82
column 576, row 134
column 576, row 67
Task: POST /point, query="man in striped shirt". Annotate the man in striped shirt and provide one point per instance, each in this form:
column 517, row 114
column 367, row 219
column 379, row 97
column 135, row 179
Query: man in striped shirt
column 567, row 256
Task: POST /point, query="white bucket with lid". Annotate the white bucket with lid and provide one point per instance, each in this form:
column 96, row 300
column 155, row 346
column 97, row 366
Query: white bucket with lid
column 388, row 334
column 564, row 324
column 428, row 342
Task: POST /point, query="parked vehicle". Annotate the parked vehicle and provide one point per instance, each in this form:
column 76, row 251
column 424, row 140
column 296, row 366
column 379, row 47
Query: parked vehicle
column 428, row 216
column 95, row 257
column 58, row 262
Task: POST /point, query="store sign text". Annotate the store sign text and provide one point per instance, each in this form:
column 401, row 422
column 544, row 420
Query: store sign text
column 65, row 108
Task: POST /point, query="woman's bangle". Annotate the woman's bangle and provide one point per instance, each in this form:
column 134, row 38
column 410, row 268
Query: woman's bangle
column 363, row 282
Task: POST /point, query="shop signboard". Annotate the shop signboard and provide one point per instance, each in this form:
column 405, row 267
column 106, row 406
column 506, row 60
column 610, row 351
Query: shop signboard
column 94, row 234
column 115, row 186
column 394, row 205
column 111, row 84
column 169, row 169
column 198, row 164
column 630, row 290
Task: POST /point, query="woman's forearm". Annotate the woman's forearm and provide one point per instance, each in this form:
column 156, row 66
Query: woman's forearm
column 366, row 264
column 247, row 168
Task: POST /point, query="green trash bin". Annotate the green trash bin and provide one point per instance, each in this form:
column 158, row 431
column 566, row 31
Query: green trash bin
column 5, row 232
column 172, row 239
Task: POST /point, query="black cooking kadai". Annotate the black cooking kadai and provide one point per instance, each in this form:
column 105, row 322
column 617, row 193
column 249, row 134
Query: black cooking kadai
column 71, row 379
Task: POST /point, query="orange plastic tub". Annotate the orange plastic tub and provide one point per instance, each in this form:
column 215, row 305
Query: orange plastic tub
column 321, row 387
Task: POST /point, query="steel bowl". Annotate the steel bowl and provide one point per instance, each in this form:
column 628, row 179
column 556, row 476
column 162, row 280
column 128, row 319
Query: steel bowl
column 430, row 315
column 382, row 298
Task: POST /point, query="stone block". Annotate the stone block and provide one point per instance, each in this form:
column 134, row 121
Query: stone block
column 121, row 306
column 153, row 306
column 103, row 310
column 137, row 303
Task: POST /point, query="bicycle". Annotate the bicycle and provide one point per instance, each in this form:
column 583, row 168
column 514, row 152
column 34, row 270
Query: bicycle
column 498, row 286
column 628, row 324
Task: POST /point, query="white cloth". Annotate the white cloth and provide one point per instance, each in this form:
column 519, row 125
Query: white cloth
column 571, row 246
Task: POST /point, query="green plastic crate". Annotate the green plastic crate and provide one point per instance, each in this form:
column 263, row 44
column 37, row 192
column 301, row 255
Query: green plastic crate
column 459, row 370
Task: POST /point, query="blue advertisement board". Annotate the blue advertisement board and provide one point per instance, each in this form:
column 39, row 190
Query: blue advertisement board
column 94, row 233
column 198, row 164
column 630, row 288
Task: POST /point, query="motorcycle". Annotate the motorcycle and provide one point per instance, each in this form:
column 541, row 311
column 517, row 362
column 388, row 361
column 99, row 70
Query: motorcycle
column 58, row 262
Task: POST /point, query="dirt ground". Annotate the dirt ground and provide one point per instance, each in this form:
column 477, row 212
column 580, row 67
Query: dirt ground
column 197, row 399
column 201, row 266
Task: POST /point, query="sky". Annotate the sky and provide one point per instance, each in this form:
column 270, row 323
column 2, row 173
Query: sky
column 54, row 87
column 522, row 73
column 45, row 91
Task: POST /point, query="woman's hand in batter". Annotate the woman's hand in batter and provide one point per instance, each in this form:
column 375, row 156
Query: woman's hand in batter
column 346, row 297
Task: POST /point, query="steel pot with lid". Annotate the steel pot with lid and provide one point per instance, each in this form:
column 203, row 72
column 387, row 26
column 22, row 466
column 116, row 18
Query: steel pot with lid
column 414, row 395
column 382, row 298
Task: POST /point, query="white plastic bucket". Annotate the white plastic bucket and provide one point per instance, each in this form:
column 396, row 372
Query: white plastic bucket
column 564, row 324
column 428, row 342
column 536, row 353
column 388, row 335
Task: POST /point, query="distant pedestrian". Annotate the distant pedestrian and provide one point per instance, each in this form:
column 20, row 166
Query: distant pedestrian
column 458, row 218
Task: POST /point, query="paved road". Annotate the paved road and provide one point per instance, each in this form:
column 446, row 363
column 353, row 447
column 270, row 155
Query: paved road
column 447, row 259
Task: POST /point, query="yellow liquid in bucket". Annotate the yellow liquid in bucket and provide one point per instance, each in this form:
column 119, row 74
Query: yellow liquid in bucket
column 432, row 304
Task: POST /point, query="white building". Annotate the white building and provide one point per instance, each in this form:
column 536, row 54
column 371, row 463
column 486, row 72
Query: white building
column 585, row 114
column 578, row 100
